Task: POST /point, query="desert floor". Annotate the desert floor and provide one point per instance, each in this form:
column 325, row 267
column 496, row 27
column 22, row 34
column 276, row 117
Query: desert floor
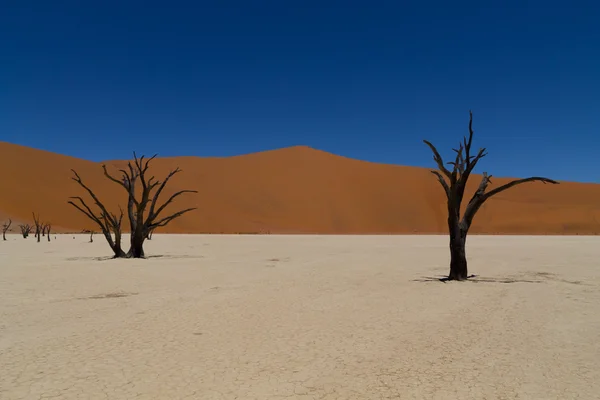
column 300, row 317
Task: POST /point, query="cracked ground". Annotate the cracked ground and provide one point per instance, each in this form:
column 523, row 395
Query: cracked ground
column 300, row 317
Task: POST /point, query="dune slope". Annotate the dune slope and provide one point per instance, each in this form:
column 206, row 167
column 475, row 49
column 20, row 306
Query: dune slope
column 291, row 190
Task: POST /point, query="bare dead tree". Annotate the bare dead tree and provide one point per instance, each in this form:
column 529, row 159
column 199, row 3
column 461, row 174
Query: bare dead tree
column 149, row 235
column 46, row 230
column 25, row 230
column 108, row 222
column 91, row 232
column 144, row 214
column 38, row 227
column 5, row 228
column 454, row 183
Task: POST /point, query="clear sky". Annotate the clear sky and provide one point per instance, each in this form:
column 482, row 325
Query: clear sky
column 363, row 79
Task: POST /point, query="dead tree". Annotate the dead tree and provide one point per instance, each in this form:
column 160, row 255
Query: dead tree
column 38, row 227
column 25, row 230
column 149, row 235
column 143, row 212
column 5, row 228
column 454, row 183
column 46, row 230
column 108, row 222
column 91, row 232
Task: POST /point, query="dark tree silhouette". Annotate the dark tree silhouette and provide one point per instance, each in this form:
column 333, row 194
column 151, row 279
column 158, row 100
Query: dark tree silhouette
column 91, row 232
column 143, row 211
column 5, row 228
column 39, row 227
column 140, row 221
column 46, row 229
column 454, row 182
column 25, row 230
column 108, row 222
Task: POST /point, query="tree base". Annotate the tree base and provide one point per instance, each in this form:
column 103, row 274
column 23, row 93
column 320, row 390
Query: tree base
column 128, row 255
column 449, row 278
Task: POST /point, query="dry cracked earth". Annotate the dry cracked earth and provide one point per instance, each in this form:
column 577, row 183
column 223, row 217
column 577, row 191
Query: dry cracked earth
column 300, row 317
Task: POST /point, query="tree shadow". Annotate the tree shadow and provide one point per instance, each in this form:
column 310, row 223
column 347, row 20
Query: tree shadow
column 477, row 279
column 504, row 280
column 106, row 258
column 173, row 256
column 102, row 258
column 547, row 276
column 114, row 295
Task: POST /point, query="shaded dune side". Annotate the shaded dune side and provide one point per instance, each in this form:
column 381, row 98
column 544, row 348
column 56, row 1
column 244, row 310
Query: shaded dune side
column 292, row 190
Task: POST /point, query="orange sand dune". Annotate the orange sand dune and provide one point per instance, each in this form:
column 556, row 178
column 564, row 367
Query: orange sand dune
column 292, row 190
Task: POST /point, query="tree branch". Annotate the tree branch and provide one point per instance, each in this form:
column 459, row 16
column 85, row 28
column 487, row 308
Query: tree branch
column 442, row 182
column 518, row 182
column 438, row 159
column 142, row 167
column 473, row 160
column 154, row 215
column 90, row 214
column 151, row 213
column 480, row 197
column 115, row 180
column 470, row 141
column 6, row 225
column 127, row 181
column 87, row 212
column 166, row 220
column 475, row 203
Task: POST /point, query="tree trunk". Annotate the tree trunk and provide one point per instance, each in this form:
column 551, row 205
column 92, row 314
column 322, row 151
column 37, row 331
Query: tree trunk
column 137, row 244
column 3, row 235
column 115, row 245
column 119, row 253
column 458, row 258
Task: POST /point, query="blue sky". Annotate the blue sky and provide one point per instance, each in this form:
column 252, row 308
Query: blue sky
column 367, row 79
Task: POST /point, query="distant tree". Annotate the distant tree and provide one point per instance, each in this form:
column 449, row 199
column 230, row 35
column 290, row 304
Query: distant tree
column 25, row 230
column 38, row 227
column 5, row 228
column 91, row 232
column 46, row 229
column 454, row 183
column 143, row 212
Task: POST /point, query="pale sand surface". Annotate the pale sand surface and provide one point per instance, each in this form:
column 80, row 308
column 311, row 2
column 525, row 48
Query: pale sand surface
column 300, row 317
